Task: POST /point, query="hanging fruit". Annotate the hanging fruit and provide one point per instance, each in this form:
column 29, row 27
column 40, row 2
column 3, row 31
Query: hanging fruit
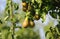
column 37, row 16
column 31, row 21
column 24, row 9
column 25, row 23
column 25, row 6
column 32, row 24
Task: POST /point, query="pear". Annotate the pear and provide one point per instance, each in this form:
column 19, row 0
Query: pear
column 24, row 9
column 25, row 23
column 37, row 17
column 32, row 24
column 24, row 4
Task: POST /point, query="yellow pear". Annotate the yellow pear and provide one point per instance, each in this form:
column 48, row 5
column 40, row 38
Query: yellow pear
column 25, row 23
column 24, row 4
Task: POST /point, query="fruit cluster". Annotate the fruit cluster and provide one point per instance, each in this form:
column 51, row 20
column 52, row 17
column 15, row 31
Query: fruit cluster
column 32, row 13
column 36, row 9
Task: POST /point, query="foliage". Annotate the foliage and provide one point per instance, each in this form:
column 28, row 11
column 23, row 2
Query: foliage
column 34, row 10
column 27, row 34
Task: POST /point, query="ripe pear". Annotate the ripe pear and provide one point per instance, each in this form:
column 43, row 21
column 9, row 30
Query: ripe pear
column 24, row 4
column 37, row 17
column 32, row 24
column 25, row 23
